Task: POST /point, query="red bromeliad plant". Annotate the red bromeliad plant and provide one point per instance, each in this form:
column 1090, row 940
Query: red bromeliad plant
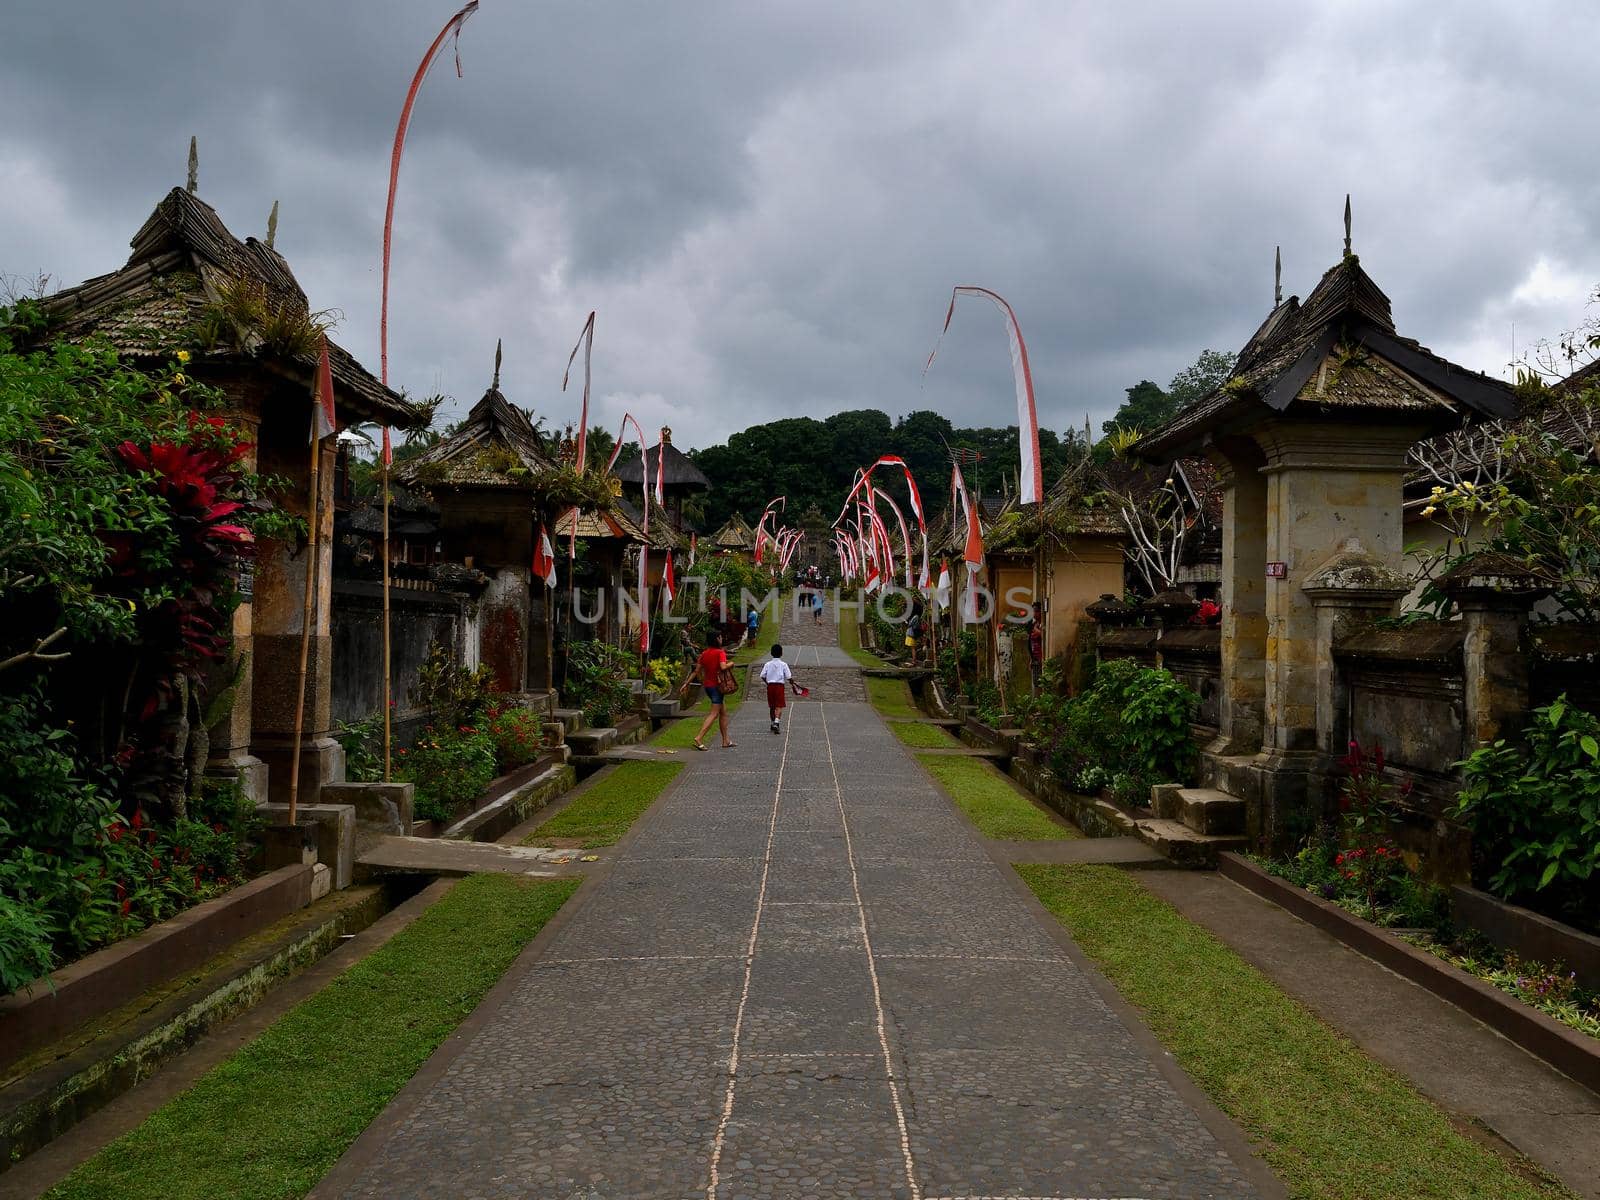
column 185, row 579
column 1367, row 802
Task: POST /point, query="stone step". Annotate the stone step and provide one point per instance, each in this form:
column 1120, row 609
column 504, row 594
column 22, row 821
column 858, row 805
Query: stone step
column 571, row 719
column 1230, row 773
column 664, row 710
column 1182, row 845
column 591, row 743
column 1208, row 810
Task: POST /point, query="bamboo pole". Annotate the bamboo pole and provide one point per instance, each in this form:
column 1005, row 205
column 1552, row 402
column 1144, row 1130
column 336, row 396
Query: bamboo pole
column 307, row 619
column 388, row 683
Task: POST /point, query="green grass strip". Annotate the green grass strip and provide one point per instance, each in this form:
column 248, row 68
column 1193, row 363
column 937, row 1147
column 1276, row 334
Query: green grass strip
column 850, row 639
column 922, row 737
column 891, row 697
column 269, row 1122
column 992, row 803
column 603, row 812
column 1334, row 1123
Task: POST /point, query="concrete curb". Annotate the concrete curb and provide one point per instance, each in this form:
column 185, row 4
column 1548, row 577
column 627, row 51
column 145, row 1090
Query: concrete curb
column 107, row 979
column 1565, row 1049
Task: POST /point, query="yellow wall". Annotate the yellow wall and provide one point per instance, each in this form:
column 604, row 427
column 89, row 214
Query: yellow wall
column 1080, row 573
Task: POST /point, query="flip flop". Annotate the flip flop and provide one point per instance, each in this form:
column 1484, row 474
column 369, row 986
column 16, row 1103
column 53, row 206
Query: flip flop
column 729, row 745
column 701, row 746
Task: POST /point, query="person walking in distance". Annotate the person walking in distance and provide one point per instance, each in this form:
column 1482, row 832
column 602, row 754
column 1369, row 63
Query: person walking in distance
column 713, row 662
column 776, row 675
column 816, row 607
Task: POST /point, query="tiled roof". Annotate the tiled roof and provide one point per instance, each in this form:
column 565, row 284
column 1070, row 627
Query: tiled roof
column 1337, row 351
column 183, row 256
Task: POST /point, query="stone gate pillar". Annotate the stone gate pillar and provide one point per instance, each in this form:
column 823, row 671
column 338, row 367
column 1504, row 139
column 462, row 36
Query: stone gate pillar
column 1241, row 708
column 277, row 616
column 1495, row 593
column 1330, row 484
column 1350, row 590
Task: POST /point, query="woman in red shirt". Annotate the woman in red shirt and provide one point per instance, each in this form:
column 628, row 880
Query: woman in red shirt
column 712, row 663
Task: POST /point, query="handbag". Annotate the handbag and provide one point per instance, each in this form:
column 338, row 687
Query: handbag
column 727, row 682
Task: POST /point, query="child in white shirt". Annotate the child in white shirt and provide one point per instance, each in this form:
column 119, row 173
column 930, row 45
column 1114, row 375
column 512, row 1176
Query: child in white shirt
column 775, row 674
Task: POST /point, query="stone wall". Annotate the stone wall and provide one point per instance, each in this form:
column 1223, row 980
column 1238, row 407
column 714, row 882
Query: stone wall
column 419, row 613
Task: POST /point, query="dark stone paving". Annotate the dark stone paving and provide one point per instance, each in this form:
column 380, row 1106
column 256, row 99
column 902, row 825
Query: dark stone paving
column 903, row 1028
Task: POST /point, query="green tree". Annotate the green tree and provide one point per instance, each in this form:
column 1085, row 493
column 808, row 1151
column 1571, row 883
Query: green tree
column 1197, row 381
column 1146, row 407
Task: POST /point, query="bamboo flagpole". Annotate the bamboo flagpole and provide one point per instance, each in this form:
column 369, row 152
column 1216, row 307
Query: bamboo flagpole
column 322, row 426
column 387, row 457
column 452, row 27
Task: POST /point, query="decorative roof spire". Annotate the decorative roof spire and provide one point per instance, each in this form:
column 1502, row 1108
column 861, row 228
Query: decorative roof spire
column 1277, row 276
column 194, row 165
column 495, row 386
column 1347, row 224
column 272, row 225
column 666, row 434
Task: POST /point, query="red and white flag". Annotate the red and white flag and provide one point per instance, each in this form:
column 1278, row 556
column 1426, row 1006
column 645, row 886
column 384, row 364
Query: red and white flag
column 544, row 559
column 661, row 468
column 1030, row 480
column 691, row 549
column 873, row 581
column 941, row 594
column 668, row 583
column 322, row 418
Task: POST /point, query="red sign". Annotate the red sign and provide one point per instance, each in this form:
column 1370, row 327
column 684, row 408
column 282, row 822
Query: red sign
column 1277, row 570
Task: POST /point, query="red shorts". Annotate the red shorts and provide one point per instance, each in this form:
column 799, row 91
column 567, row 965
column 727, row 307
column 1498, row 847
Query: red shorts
column 774, row 695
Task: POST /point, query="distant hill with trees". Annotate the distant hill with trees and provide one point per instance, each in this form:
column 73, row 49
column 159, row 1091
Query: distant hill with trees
column 814, row 461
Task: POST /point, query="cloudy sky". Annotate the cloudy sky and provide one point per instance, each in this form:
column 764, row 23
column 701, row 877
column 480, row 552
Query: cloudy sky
column 768, row 203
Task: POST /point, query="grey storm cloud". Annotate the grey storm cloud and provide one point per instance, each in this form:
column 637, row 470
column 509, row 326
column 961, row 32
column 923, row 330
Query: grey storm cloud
column 768, row 203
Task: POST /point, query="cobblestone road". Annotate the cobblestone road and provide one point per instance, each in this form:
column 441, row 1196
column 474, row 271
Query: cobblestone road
column 803, row 978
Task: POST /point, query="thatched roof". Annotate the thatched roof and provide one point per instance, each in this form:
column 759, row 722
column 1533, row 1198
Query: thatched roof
column 1337, row 352
column 735, row 534
column 679, row 471
column 496, row 447
column 599, row 526
column 183, row 261
column 662, row 535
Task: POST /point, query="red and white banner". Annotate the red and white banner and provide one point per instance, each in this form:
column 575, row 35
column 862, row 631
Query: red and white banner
column 905, row 536
column 544, row 558
column 323, row 422
column 941, row 594
column 669, row 582
column 779, row 502
column 1030, row 480
column 586, row 343
column 644, row 550
column 661, row 468
column 972, row 554
column 452, row 26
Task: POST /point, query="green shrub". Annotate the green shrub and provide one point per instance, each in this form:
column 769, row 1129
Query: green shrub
column 960, row 659
column 455, row 694
column 450, row 768
column 363, row 748
column 664, row 675
column 597, row 681
column 1132, row 724
column 1534, row 812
